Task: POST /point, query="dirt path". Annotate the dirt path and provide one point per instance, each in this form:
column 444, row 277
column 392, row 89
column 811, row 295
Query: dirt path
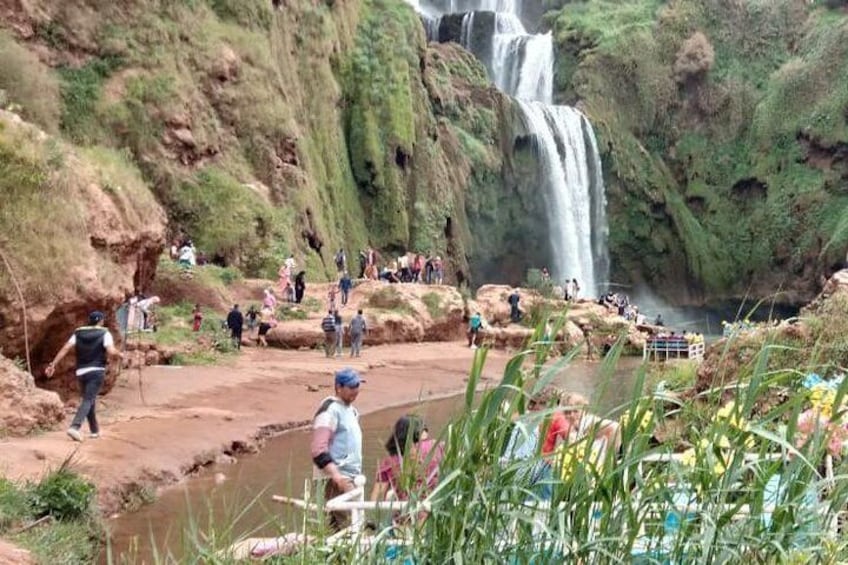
column 184, row 417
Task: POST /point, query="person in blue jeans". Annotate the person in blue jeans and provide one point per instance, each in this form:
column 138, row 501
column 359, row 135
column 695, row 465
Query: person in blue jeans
column 345, row 284
column 92, row 344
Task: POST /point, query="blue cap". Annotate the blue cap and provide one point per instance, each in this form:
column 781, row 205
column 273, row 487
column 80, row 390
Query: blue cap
column 95, row 316
column 348, row 378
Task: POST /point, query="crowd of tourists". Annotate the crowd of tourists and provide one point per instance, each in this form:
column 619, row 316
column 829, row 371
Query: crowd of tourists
column 412, row 461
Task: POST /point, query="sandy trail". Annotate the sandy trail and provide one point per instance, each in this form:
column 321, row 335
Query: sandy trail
column 182, row 417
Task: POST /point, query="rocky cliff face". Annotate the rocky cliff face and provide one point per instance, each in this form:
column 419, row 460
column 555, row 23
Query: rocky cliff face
column 260, row 129
column 723, row 126
column 79, row 230
column 23, row 407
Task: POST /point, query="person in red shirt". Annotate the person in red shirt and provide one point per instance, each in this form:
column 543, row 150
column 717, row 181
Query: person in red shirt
column 412, row 465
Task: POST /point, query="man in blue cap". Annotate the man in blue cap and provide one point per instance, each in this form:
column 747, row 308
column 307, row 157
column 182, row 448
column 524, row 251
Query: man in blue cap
column 337, row 442
column 91, row 343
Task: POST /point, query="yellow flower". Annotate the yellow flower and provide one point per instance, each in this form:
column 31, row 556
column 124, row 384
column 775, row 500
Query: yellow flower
column 644, row 422
column 688, row 458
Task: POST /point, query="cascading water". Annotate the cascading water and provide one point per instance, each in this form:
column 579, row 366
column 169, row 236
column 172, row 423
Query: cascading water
column 522, row 65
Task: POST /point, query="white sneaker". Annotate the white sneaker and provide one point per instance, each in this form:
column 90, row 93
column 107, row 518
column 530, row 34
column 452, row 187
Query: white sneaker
column 473, row 347
column 94, row 436
column 74, row 434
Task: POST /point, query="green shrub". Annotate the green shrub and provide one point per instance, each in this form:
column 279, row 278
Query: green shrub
column 14, row 505
column 388, row 298
column 62, row 494
column 28, row 84
column 291, row 312
column 81, row 91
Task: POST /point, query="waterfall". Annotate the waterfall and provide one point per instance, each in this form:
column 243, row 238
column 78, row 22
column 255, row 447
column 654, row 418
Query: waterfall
column 571, row 163
column 522, row 65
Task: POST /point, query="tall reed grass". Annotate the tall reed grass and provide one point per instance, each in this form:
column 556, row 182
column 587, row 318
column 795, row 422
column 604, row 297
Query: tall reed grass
column 742, row 491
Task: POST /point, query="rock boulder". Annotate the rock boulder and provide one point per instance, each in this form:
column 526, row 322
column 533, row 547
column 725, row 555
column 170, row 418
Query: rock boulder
column 25, row 408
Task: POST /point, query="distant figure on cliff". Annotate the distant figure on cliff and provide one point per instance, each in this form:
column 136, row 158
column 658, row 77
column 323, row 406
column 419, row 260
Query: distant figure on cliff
column 291, row 263
column 575, row 290
column 358, row 329
column 438, row 270
column 514, row 312
column 336, row 445
column 328, row 326
column 235, row 321
column 299, row 286
column 345, row 284
column 92, row 344
column 659, row 321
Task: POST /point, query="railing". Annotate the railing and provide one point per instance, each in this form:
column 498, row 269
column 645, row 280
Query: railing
column 664, row 348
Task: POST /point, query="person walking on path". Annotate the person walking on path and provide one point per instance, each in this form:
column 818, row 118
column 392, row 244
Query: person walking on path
column 357, row 329
column 345, row 284
column 299, row 286
column 475, row 324
column 92, row 344
column 336, row 445
column 266, row 322
column 328, row 325
column 514, row 313
column 235, row 321
column 339, row 334
column 341, row 261
column 252, row 320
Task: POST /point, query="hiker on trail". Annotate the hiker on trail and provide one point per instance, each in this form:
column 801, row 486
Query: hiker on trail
column 345, row 284
column 514, row 312
column 299, row 286
column 285, row 278
column 339, row 333
column 291, row 263
column 266, row 322
column 288, row 293
column 269, row 300
column 331, row 297
column 575, row 290
column 341, row 261
column 419, row 475
column 197, row 317
column 357, row 329
column 567, row 292
column 475, row 324
column 92, row 344
column 336, row 445
column 252, row 318
column 235, row 321
column 328, row 326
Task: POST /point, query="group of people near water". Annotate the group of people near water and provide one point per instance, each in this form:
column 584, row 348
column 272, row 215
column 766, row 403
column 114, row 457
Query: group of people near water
column 413, row 458
column 405, row 268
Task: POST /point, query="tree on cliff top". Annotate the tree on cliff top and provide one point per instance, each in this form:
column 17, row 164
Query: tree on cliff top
column 694, row 59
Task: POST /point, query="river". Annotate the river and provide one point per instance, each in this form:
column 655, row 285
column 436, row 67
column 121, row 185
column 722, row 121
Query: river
column 243, row 499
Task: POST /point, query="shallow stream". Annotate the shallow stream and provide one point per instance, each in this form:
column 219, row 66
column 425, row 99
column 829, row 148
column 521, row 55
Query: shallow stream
column 283, row 465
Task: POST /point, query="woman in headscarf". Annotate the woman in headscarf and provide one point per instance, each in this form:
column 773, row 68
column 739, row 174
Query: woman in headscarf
column 412, row 463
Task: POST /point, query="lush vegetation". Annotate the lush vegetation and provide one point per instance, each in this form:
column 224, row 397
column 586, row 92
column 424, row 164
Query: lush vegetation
column 54, row 518
column 708, row 112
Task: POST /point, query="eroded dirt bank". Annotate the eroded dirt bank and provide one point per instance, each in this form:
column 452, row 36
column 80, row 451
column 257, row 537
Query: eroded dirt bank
column 160, row 426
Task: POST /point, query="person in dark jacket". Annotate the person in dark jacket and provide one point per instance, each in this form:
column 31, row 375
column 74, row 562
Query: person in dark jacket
column 235, row 321
column 345, row 284
column 92, row 344
column 299, row 286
